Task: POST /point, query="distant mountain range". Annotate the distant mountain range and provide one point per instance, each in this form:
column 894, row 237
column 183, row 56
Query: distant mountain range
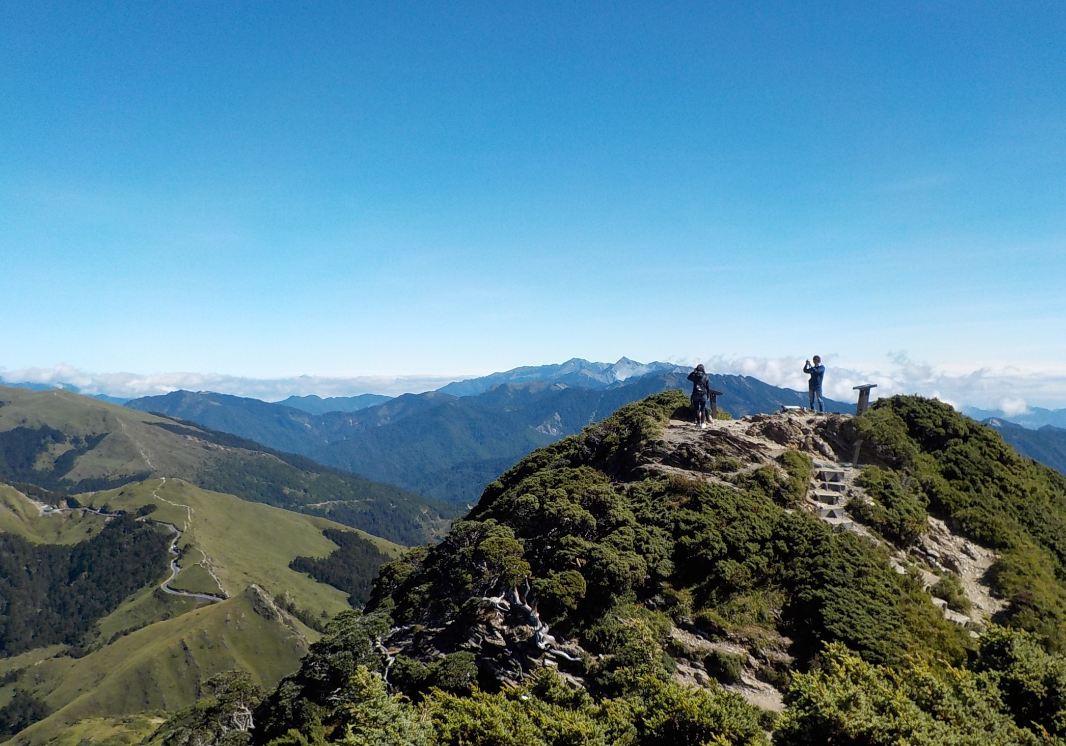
column 447, row 446
column 318, row 405
column 62, row 387
column 1046, row 444
column 1032, row 418
column 68, row 443
column 574, row 372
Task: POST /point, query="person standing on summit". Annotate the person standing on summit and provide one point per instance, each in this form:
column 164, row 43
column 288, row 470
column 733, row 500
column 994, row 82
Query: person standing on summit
column 701, row 389
column 814, row 386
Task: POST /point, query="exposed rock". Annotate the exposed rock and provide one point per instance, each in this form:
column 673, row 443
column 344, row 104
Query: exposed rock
column 262, row 604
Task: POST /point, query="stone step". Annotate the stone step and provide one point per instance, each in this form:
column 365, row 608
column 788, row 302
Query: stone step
column 832, row 486
column 831, row 513
column 828, row 497
column 841, row 524
column 830, row 475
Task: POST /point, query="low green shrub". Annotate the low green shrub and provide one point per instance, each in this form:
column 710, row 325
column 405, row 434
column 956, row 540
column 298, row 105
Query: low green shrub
column 724, row 666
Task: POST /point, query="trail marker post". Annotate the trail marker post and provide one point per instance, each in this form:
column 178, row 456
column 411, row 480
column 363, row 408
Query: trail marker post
column 713, row 395
column 864, row 397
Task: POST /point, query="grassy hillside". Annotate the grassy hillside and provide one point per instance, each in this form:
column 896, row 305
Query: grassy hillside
column 154, row 651
column 240, row 542
column 24, row 517
column 159, row 668
column 69, row 443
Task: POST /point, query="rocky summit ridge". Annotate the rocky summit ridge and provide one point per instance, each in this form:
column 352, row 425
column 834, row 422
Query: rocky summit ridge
column 511, row 639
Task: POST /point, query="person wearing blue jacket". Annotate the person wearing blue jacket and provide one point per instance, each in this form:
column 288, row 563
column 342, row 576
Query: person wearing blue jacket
column 814, row 386
column 701, row 390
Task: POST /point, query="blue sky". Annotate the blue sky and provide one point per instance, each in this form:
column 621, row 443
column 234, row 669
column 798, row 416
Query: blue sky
column 340, row 189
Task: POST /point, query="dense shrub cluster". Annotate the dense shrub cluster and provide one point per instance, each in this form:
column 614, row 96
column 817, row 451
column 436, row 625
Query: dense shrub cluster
column 966, row 473
column 1015, row 694
column 896, row 512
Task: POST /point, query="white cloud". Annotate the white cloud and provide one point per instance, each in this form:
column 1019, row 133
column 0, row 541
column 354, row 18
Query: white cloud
column 269, row 389
column 1010, row 389
column 991, row 387
column 1012, row 406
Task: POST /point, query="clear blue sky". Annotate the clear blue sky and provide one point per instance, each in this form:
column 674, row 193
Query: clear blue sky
column 271, row 189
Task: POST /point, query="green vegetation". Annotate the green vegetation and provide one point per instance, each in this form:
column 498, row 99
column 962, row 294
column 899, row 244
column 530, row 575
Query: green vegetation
column 19, row 516
column 243, row 542
column 725, row 666
column 614, row 559
column 162, row 666
column 299, row 484
column 153, row 650
column 949, row 588
column 145, row 607
column 61, row 444
column 54, row 593
column 22, row 711
column 799, row 467
column 351, row 568
column 896, row 512
column 1014, row 694
column 223, row 716
column 627, row 578
column 968, row 475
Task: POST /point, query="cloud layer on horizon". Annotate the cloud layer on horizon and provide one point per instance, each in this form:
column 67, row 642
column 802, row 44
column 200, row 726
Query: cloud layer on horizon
column 133, row 385
column 1011, row 390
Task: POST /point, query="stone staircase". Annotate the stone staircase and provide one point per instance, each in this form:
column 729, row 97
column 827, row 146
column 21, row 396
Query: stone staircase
column 829, row 495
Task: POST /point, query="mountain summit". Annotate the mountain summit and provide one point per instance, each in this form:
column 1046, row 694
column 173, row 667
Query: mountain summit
column 574, row 372
column 645, row 582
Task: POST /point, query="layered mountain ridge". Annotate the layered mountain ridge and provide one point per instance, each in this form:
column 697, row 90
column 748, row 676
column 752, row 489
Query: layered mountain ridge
column 460, row 443
column 68, row 443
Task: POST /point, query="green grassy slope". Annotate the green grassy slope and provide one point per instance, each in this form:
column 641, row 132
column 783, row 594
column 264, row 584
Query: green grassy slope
column 69, row 443
column 150, row 670
column 21, row 516
column 242, row 542
column 155, row 650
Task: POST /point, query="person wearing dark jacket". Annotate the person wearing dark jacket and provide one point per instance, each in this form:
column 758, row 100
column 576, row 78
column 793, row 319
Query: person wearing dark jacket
column 814, row 386
column 701, row 388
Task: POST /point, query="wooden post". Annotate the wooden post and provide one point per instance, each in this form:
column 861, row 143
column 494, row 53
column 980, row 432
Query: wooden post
column 714, row 402
column 864, row 397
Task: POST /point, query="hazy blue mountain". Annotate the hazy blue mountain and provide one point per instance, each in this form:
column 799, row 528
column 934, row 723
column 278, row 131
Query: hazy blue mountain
column 274, row 425
column 1046, row 444
column 449, row 447
column 574, row 372
column 1034, row 417
column 63, row 387
column 318, row 405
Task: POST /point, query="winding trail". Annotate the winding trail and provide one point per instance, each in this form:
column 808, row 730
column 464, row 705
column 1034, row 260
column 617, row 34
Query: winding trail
column 176, row 554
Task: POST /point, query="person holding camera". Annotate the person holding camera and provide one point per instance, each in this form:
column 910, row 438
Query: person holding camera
column 701, row 390
column 814, row 385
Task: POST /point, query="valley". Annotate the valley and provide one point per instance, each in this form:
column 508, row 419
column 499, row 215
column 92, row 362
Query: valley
column 118, row 602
